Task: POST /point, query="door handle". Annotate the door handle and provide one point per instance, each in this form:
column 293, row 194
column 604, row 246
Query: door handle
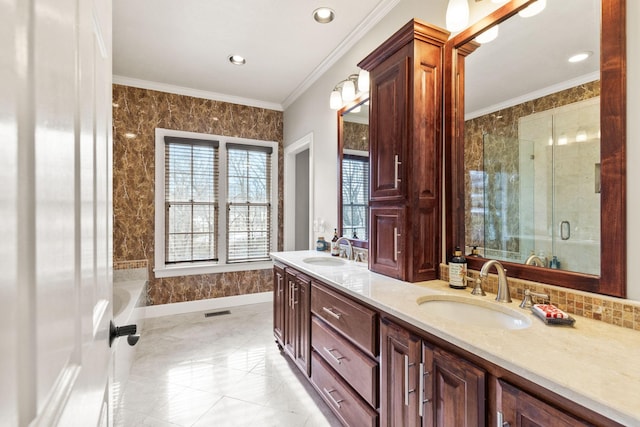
column 128, row 331
column 565, row 230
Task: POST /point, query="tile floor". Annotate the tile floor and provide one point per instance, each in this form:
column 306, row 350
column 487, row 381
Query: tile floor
column 216, row 372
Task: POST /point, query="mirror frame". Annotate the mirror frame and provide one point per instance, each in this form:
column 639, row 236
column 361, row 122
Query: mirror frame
column 613, row 124
column 359, row 100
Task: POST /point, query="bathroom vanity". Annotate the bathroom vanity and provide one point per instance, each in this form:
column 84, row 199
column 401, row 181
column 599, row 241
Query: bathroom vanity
column 378, row 355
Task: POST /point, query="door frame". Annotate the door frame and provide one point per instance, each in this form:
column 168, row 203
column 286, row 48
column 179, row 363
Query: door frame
column 290, row 152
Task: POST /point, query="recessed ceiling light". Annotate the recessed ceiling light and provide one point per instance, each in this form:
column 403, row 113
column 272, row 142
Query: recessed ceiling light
column 580, row 56
column 237, row 60
column 324, row 15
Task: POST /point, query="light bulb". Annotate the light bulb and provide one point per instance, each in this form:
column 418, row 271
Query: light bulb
column 348, row 91
column 488, row 36
column 363, row 81
column 335, row 101
column 533, row 9
column 457, row 15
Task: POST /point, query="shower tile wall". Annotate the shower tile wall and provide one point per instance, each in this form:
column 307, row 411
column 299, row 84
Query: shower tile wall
column 504, row 124
column 140, row 111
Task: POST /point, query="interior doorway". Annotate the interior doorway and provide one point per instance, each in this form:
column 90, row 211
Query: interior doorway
column 298, row 194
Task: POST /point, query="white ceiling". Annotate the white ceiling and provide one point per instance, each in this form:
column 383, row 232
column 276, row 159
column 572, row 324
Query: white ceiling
column 529, row 57
column 183, row 45
column 186, row 43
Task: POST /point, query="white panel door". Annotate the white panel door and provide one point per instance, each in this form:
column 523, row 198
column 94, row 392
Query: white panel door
column 55, row 242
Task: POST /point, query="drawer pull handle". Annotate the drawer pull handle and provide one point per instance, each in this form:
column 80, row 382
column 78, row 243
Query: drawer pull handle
column 333, row 356
column 332, row 313
column 333, row 399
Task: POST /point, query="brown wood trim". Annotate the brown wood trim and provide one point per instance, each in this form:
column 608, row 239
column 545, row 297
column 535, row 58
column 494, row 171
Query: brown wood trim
column 412, row 30
column 356, row 243
column 612, row 280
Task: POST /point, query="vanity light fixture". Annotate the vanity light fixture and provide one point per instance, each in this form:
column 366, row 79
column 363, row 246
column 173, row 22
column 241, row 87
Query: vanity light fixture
column 580, row 56
column 533, row 9
column 324, row 15
column 349, row 89
column 237, row 60
column 488, row 36
column 457, row 17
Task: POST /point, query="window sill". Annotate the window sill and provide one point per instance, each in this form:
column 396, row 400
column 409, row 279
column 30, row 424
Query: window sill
column 202, row 268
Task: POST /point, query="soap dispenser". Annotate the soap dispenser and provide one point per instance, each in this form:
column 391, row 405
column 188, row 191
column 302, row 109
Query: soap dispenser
column 458, row 270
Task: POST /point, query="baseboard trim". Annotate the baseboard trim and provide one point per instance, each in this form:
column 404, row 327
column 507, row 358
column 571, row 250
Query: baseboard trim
column 205, row 304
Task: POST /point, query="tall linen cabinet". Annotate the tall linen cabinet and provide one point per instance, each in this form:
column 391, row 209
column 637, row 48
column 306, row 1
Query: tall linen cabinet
column 406, row 152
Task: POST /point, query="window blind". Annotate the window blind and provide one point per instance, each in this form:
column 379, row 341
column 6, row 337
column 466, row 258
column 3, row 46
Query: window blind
column 355, row 196
column 248, row 202
column 191, row 199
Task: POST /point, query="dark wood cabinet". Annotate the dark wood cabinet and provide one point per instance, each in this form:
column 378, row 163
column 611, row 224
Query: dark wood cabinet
column 399, row 362
column 457, row 390
column 423, row 385
column 296, row 328
column 372, row 368
column 279, row 303
column 344, row 357
column 386, row 249
column 405, row 149
column 518, row 408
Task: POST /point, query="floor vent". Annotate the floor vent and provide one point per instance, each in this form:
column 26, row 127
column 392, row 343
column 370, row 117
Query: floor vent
column 217, row 313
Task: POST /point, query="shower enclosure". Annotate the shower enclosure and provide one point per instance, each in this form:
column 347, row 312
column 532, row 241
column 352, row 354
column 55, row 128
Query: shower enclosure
column 541, row 192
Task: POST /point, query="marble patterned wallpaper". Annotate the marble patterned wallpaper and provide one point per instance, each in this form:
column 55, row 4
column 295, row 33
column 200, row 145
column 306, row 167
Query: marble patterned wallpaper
column 136, row 114
column 356, row 136
column 502, row 125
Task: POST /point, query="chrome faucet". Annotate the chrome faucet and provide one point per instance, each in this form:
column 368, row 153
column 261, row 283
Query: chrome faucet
column 535, row 260
column 503, row 286
column 349, row 255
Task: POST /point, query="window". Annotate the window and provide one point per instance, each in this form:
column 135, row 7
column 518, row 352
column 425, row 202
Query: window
column 248, row 202
column 191, row 203
column 216, row 203
column 355, row 195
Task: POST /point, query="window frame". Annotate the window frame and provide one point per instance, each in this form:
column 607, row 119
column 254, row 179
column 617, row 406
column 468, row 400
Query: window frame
column 163, row 269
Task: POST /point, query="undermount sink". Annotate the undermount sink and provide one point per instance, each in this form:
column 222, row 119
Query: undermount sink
column 470, row 311
column 324, row 261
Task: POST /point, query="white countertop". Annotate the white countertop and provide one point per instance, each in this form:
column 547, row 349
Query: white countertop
column 593, row 363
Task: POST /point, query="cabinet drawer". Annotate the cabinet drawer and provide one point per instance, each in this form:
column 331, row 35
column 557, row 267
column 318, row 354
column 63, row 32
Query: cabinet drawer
column 346, row 404
column 354, row 321
column 358, row 370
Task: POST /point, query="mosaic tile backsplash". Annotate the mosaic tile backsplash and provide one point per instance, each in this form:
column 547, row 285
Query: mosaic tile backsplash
column 138, row 112
column 616, row 311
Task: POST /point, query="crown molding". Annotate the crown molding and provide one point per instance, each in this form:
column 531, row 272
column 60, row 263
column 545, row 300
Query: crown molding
column 376, row 15
column 567, row 84
column 196, row 93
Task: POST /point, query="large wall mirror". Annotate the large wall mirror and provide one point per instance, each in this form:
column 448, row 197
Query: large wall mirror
column 536, row 144
column 353, row 172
